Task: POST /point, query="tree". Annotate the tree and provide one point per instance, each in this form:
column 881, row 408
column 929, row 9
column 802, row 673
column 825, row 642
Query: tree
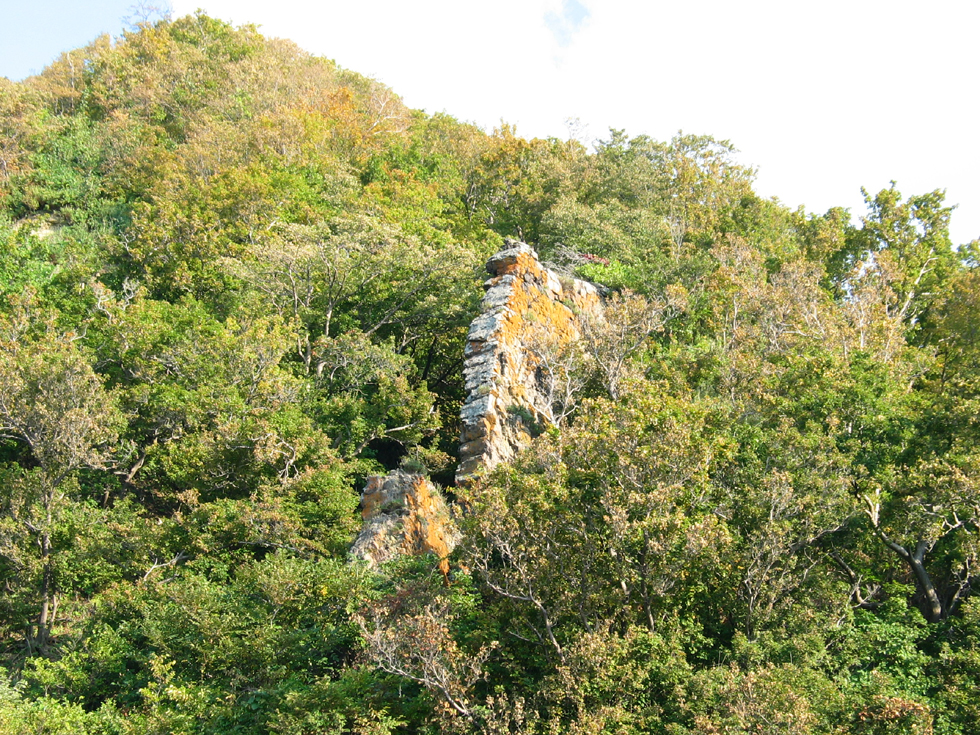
column 145, row 11
column 907, row 245
column 934, row 507
column 356, row 272
column 365, row 392
column 516, row 181
column 213, row 412
column 53, row 402
column 618, row 332
column 409, row 634
column 649, row 460
column 16, row 106
column 609, row 522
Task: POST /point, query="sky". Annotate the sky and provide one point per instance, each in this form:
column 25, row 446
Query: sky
column 821, row 98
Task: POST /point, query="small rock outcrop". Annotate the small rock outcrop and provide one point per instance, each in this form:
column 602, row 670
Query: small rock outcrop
column 403, row 513
column 505, row 401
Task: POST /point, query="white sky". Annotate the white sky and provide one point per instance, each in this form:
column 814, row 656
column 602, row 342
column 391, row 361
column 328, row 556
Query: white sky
column 822, row 98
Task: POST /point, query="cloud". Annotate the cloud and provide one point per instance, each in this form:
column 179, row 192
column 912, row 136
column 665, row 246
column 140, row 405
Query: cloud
column 564, row 25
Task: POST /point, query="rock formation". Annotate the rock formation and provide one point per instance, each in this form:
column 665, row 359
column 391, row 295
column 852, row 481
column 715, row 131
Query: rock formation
column 505, row 399
column 403, row 513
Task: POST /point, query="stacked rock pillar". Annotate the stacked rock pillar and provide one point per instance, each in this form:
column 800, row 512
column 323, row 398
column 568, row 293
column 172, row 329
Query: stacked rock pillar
column 503, row 397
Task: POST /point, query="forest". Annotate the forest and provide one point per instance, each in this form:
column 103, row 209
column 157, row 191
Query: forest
column 237, row 280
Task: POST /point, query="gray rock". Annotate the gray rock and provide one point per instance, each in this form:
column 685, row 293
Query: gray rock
column 498, row 371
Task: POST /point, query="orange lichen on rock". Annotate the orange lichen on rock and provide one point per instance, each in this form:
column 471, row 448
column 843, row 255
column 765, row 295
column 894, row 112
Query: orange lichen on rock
column 428, row 527
column 404, row 514
column 504, row 401
column 372, row 496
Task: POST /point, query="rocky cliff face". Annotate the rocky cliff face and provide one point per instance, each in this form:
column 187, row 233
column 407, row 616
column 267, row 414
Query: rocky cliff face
column 403, row 513
column 525, row 304
column 506, row 400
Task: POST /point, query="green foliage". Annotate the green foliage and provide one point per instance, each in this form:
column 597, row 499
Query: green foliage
column 20, row 714
column 236, row 278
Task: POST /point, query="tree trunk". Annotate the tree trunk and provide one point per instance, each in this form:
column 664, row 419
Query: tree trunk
column 933, row 606
column 47, row 587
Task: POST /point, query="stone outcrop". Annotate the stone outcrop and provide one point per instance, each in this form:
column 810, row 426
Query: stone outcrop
column 505, row 402
column 403, row 513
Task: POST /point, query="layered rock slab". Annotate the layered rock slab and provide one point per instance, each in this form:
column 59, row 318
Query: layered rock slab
column 505, row 401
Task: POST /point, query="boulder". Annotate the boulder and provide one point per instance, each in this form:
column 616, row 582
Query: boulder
column 403, row 513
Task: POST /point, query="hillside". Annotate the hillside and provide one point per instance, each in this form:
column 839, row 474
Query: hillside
column 238, row 281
